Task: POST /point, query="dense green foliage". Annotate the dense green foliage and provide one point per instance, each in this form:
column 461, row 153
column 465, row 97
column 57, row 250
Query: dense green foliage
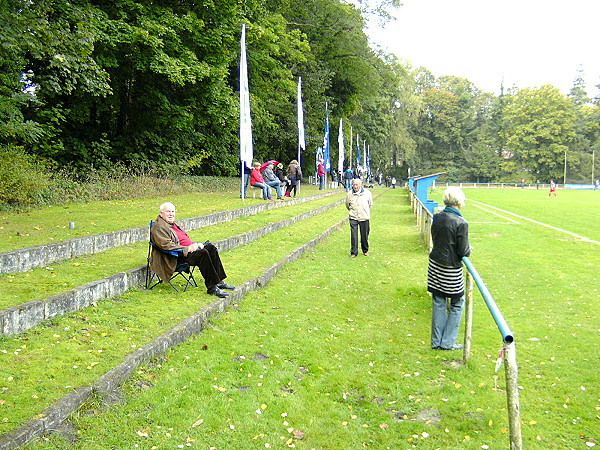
column 87, row 83
column 22, row 177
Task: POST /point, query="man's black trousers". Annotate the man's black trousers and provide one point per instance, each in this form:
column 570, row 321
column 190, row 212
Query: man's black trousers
column 209, row 263
column 364, row 227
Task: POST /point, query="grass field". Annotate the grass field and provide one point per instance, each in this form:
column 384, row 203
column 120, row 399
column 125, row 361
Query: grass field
column 334, row 353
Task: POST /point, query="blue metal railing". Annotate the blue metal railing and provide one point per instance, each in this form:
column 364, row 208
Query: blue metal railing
column 424, row 219
column 507, row 335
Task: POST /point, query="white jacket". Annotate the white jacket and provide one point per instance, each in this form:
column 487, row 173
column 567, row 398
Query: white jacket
column 359, row 204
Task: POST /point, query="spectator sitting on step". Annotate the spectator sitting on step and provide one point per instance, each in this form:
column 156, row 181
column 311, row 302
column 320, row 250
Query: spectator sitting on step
column 280, row 173
column 272, row 180
column 257, row 180
column 167, row 235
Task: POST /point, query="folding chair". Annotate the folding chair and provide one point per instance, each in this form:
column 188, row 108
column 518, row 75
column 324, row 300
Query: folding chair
column 183, row 269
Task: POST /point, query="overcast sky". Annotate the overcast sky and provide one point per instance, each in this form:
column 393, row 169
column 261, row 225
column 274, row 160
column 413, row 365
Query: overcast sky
column 527, row 43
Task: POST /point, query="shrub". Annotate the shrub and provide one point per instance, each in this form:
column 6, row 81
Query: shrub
column 22, row 176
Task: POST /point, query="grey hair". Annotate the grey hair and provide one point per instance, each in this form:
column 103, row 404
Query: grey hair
column 166, row 205
column 454, row 196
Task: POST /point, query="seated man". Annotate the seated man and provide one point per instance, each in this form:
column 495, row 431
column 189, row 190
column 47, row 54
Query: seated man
column 167, row 235
column 271, row 179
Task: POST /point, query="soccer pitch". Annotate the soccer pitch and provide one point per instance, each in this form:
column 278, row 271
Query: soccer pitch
column 539, row 258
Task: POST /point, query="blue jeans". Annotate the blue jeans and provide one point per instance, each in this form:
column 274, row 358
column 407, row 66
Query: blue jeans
column 321, row 182
column 277, row 186
column 445, row 320
column 266, row 190
column 244, row 186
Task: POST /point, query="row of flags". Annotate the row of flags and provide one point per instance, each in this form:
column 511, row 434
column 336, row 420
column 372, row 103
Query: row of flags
column 246, row 149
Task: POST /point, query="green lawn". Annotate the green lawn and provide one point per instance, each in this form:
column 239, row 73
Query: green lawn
column 334, row 352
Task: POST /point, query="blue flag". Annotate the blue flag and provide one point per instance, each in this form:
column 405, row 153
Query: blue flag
column 326, row 150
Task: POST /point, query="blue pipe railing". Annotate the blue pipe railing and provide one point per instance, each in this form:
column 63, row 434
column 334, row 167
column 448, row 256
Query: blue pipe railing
column 507, row 335
column 424, row 219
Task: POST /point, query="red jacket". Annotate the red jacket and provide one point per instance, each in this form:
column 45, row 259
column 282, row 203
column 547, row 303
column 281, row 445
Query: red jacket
column 256, row 177
column 320, row 169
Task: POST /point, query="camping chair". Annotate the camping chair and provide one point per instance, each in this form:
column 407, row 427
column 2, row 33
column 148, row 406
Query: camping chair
column 183, row 269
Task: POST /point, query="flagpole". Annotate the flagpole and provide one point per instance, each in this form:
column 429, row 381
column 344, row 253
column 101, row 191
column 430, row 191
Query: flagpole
column 340, row 171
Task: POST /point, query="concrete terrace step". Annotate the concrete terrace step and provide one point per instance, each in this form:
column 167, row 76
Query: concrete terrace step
column 24, row 259
column 25, row 316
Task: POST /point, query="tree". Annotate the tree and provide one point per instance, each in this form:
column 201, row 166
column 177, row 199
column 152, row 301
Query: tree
column 578, row 92
column 539, row 127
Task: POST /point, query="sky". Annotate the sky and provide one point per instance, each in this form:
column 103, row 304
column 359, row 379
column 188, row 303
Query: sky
column 525, row 43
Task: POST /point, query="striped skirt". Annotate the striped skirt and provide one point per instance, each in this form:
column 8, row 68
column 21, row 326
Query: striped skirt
column 445, row 281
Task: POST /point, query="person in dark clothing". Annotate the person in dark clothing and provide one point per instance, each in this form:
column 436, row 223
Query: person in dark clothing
column 280, row 173
column 445, row 279
column 348, row 175
column 245, row 170
column 294, row 174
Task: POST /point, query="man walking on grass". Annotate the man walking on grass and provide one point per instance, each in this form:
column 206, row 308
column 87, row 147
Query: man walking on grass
column 359, row 202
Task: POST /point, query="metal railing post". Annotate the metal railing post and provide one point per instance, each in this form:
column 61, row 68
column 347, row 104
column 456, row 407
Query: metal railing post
column 512, row 396
column 468, row 315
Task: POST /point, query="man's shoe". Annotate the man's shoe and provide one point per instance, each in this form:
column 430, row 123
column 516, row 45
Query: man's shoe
column 352, row 256
column 218, row 292
column 454, row 347
column 223, row 285
column 366, row 253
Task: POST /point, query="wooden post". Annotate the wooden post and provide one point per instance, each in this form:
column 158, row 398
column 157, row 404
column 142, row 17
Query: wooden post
column 468, row 315
column 512, row 396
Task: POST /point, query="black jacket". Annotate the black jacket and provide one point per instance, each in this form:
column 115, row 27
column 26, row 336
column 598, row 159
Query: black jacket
column 279, row 173
column 450, row 234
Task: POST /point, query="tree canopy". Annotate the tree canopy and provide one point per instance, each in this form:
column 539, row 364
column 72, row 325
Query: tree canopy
column 87, row 83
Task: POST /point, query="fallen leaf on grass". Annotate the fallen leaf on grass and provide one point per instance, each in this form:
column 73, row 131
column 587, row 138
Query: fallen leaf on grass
column 197, row 422
column 298, row 434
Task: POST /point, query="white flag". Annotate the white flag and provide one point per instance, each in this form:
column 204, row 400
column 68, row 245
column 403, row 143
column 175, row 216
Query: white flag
column 301, row 140
column 341, row 148
column 246, row 151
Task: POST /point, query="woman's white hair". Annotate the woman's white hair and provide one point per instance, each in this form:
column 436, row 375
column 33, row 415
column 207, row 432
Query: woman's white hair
column 454, row 196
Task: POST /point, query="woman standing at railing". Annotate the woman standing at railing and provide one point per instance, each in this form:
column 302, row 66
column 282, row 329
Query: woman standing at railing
column 445, row 279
